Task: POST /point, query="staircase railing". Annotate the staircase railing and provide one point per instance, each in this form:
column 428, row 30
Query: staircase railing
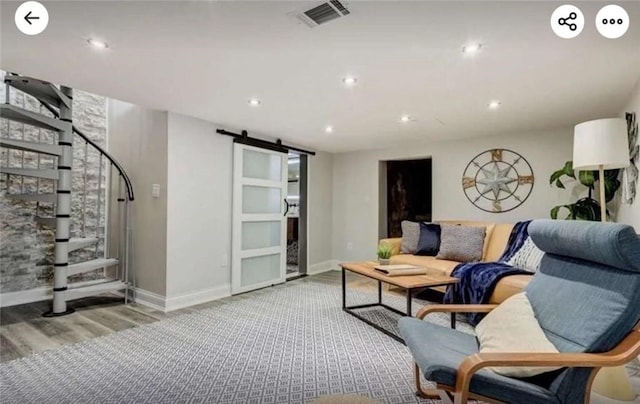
column 124, row 214
column 47, row 94
column 118, row 166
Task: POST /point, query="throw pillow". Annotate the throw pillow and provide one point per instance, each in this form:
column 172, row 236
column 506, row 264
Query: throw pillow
column 528, row 257
column 489, row 227
column 410, row 237
column 461, row 243
column 429, row 241
column 512, row 327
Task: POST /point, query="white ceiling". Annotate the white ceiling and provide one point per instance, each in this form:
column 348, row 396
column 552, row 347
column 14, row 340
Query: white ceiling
column 206, row 59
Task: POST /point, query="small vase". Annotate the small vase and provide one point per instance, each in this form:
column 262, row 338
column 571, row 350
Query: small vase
column 383, row 261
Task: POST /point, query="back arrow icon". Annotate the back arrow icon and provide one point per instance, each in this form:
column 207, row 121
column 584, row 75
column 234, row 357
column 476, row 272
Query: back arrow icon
column 28, row 18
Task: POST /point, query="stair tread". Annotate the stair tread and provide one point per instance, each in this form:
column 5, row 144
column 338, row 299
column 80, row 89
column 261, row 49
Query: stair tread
column 21, row 115
column 45, row 198
column 78, row 239
column 92, row 265
column 44, row 148
column 103, row 285
column 77, row 243
column 98, row 260
column 42, row 90
column 46, row 173
column 77, row 292
column 46, row 221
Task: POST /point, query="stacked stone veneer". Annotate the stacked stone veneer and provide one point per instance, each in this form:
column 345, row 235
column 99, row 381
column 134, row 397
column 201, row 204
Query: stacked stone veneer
column 26, row 248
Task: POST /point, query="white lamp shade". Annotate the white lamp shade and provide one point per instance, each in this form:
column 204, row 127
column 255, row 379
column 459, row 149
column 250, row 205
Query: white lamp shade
column 602, row 142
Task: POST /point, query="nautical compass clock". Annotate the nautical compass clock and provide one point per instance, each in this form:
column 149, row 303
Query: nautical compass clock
column 497, row 180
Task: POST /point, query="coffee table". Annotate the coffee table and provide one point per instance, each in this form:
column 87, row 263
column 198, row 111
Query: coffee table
column 409, row 283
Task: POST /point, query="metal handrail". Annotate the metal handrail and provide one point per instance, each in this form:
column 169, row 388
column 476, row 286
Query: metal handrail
column 123, row 174
column 124, row 197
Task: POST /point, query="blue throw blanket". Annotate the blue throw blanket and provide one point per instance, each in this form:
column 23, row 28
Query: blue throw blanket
column 518, row 236
column 479, row 279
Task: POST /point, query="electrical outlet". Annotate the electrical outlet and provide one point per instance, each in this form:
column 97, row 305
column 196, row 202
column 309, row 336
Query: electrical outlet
column 349, row 246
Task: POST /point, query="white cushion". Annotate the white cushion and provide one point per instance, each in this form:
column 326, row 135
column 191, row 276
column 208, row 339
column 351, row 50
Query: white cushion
column 528, row 257
column 512, row 327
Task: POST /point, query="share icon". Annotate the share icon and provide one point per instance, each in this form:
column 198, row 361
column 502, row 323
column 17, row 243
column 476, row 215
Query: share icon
column 567, row 21
column 572, row 17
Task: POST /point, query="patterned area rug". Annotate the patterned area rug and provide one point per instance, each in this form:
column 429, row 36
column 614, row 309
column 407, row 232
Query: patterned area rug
column 288, row 344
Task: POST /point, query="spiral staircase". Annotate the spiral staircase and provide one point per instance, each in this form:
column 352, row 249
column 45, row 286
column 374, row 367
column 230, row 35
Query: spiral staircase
column 114, row 193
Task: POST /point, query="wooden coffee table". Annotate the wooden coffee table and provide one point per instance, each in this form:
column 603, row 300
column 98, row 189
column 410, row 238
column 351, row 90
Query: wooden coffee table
column 409, row 283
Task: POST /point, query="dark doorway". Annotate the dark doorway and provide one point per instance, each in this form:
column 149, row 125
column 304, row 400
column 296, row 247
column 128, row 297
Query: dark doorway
column 408, row 193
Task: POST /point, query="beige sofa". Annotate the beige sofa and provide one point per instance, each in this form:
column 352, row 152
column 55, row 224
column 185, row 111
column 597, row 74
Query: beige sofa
column 496, row 238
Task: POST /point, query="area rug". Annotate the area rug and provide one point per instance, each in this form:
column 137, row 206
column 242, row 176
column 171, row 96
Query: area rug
column 286, row 344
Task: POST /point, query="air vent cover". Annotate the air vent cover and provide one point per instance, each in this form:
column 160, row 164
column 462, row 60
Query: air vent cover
column 323, row 13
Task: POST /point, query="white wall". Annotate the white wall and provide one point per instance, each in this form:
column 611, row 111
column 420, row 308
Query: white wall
column 138, row 140
column 320, row 211
column 198, row 210
column 630, row 214
column 355, row 179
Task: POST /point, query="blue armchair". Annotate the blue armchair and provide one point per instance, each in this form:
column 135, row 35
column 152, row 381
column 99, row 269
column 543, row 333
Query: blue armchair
column 586, row 297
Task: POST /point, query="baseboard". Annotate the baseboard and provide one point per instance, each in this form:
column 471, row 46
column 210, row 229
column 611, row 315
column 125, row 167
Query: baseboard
column 198, row 297
column 150, row 299
column 165, row 304
column 25, row 296
column 35, row 295
column 325, row 266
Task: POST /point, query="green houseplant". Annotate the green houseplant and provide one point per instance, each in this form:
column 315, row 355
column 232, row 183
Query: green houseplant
column 384, row 253
column 585, row 208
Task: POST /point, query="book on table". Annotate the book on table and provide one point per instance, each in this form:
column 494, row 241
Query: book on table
column 400, row 270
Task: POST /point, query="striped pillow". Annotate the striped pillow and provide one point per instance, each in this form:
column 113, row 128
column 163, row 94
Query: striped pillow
column 528, row 257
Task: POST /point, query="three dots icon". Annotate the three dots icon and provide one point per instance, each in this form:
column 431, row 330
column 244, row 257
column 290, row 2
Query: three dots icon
column 612, row 21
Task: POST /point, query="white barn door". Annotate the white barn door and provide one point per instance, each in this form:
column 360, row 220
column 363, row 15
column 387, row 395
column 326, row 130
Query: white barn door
column 259, row 239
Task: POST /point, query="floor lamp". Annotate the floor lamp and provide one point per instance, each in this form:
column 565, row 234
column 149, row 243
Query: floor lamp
column 603, row 145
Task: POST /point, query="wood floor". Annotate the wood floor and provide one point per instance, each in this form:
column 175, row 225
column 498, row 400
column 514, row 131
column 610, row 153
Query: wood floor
column 23, row 330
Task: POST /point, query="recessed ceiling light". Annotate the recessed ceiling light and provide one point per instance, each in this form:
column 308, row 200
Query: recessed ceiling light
column 471, row 48
column 254, row 102
column 494, row 104
column 97, row 43
column 329, row 129
column 405, row 118
column 349, row 81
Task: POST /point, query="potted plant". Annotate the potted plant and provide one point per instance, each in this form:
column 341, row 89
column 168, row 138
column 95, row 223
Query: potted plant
column 585, row 208
column 384, row 253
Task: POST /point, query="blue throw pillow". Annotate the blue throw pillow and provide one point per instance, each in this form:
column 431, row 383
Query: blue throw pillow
column 429, row 241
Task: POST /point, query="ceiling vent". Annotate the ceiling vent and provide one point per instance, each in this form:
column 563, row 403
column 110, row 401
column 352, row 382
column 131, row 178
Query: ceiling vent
column 323, row 13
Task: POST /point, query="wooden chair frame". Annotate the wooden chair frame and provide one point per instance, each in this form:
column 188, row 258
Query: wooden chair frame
column 624, row 352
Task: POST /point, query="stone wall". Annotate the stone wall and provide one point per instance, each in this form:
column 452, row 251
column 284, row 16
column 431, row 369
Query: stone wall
column 26, row 248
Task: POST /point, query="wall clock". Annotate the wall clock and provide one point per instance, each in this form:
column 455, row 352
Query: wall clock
column 497, row 180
